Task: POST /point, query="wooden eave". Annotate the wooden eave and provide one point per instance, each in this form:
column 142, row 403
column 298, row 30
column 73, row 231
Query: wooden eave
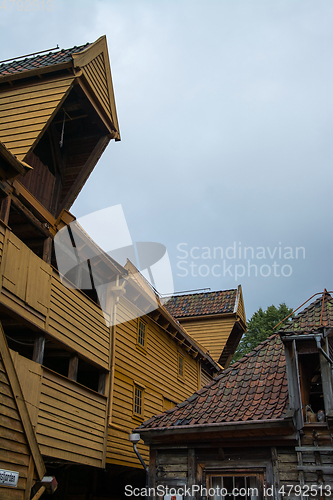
column 30, row 73
column 207, row 316
column 215, row 431
column 21, row 405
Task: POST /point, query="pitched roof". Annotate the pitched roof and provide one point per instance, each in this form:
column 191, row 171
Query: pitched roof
column 40, row 61
column 200, row 304
column 255, row 388
column 318, row 314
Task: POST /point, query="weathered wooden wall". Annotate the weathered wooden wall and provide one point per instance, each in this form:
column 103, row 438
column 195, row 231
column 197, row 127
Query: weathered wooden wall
column 280, row 465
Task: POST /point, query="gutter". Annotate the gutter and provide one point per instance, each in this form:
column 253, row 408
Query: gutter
column 218, row 427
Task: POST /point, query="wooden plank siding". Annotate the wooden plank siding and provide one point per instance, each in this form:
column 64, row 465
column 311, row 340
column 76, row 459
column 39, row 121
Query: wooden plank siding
column 69, row 419
column 95, row 74
column 155, row 370
column 79, row 323
column 211, row 333
column 32, row 289
column 26, row 110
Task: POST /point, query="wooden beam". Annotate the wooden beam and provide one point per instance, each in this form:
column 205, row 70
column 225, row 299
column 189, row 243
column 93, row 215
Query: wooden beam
column 47, row 250
column 21, row 405
column 5, row 209
column 73, row 367
column 85, row 172
column 39, row 347
column 152, row 469
column 31, row 218
column 191, row 469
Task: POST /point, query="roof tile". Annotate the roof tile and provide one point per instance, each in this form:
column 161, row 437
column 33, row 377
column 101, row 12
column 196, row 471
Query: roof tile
column 40, row 61
column 200, row 304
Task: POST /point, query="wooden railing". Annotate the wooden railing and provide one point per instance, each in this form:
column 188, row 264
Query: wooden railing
column 32, row 289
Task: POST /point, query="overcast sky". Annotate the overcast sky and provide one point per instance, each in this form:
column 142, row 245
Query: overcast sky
column 225, row 113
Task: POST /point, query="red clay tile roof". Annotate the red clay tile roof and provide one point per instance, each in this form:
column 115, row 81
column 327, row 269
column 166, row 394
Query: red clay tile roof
column 199, row 304
column 312, row 317
column 254, row 388
column 40, row 61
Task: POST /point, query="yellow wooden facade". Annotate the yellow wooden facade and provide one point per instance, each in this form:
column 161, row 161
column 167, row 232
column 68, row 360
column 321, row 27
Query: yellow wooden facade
column 79, row 376
column 154, row 369
column 76, row 423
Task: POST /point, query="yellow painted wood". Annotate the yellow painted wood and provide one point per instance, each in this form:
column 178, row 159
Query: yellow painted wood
column 18, row 443
column 135, row 365
column 210, row 332
column 34, row 291
column 79, row 323
column 69, row 418
column 95, row 65
column 20, row 135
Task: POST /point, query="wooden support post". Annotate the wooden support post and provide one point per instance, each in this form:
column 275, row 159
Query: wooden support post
column 39, row 346
column 29, row 216
column 47, row 250
column 73, row 367
column 101, row 382
column 152, row 470
column 191, row 469
column 5, row 209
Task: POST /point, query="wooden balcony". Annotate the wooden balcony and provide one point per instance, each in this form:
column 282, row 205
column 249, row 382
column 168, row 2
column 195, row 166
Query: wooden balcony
column 70, row 420
column 32, row 290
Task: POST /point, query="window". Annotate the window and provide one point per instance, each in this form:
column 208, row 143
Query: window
column 142, row 333
column 236, row 485
column 181, row 366
column 138, row 401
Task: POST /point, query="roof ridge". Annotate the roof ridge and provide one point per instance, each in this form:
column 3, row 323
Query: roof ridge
column 202, row 293
column 21, row 64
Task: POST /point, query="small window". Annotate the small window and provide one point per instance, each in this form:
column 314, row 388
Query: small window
column 181, row 366
column 138, row 401
column 142, row 333
column 234, row 485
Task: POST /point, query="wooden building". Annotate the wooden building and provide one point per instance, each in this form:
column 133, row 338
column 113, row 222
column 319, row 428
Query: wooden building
column 86, row 382
column 215, row 319
column 260, row 429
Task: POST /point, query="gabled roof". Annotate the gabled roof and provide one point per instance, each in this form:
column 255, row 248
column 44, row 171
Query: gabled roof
column 34, row 91
column 318, row 314
column 200, row 304
column 40, row 61
column 255, row 388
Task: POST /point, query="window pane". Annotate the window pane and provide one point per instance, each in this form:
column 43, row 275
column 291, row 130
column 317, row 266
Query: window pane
column 217, row 486
column 142, row 333
column 138, row 401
